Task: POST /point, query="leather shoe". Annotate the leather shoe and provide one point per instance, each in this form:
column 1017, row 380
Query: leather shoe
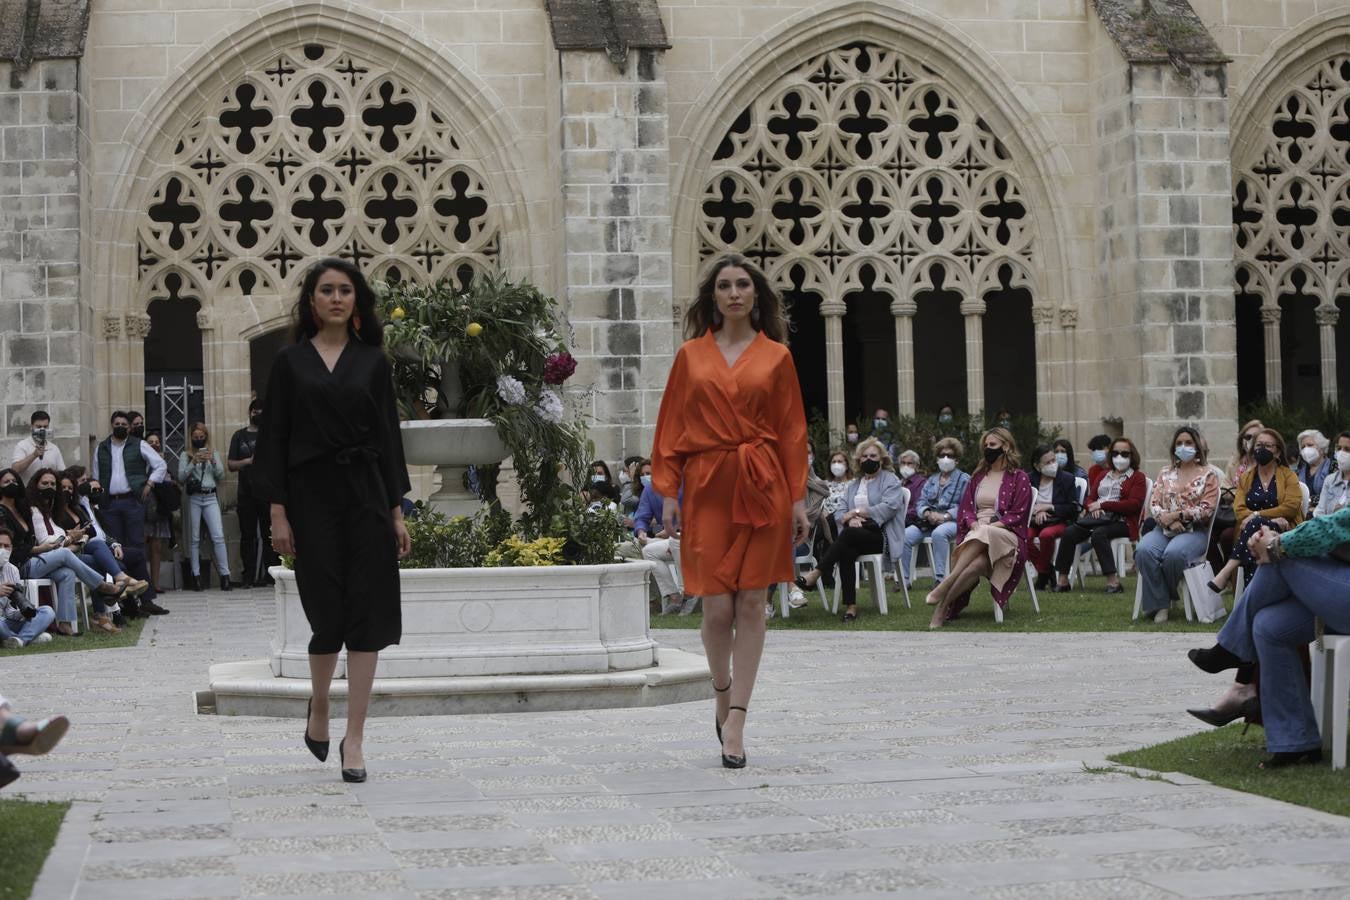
column 151, row 608
column 1248, row 709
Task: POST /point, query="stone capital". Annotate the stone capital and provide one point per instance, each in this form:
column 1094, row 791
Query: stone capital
column 1327, row 316
column 112, row 326
column 1270, row 314
column 203, row 320
column 973, row 306
column 137, row 325
column 835, row 308
column 1042, row 315
column 904, row 306
column 1068, row 317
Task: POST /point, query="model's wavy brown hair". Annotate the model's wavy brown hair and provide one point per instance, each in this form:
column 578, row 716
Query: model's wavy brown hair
column 701, row 317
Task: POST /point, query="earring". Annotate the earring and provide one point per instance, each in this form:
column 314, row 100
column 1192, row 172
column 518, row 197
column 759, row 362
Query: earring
column 356, row 321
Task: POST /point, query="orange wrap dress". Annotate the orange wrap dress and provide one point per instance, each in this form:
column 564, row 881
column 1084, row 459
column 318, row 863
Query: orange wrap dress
column 735, row 438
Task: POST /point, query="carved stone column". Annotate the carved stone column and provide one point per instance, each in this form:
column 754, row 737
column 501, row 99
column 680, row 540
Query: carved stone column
column 1047, row 376
column 904, row 311
column 973, row 310
column 1068, row 320
column 1270, row 326
column 833, row 311
column 1327, row 317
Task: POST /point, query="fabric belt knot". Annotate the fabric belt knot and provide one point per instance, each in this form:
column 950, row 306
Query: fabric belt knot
column 350, row 456
column 751, row 503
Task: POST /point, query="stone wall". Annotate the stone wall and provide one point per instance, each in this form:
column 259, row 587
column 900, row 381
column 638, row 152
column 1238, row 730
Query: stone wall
column 41, row 334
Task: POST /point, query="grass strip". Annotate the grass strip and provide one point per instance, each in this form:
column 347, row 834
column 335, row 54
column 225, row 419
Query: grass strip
column 27, row 833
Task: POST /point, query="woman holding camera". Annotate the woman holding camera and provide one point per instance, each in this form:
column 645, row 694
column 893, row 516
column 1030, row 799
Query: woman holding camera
column 200, row 470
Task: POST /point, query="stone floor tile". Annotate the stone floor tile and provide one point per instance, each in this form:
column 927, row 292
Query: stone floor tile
column 1236, row 882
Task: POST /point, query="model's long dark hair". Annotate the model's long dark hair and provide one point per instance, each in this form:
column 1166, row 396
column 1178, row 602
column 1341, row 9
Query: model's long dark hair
column 306, row 326
column 702, row 315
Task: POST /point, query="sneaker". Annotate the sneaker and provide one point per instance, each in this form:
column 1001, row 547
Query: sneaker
column 796, row 599
column 43, row 638
column 768, row 610
column 689, row 605
column 11, row 643
column 670, row 607
column 1160, row 616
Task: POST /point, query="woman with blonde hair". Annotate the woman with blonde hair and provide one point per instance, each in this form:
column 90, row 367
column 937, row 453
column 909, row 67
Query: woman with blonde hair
column 200, row 472
column 869, row 522
column 991, row 529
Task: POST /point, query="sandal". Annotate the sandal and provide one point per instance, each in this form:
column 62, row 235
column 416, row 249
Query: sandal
column 49, row 733
column 850, row 617
column 717, row 724
column 105, row 624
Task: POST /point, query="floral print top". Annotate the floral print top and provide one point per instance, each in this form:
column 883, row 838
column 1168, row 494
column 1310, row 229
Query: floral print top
column 1194, row 499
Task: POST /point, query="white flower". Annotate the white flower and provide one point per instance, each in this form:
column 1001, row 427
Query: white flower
column 550, row 407
column 510, row 390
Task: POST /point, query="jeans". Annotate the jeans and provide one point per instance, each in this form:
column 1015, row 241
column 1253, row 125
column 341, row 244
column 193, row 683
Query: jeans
column 1271, row 622
column 98, row 556
column 941, row 550
column 206, row 506
column 124, row 520
column 62, row 567
column 663, row 551
column 1160, row 560
column 30, row 628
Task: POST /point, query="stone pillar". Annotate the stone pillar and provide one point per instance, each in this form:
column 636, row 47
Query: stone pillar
column 833, row 311
column 616, row 234
column 1270, row 333
column 43, row 349
column 1042, row 317
column 973, row 310
column 904, row 311
column 1068, row 320
column 1327, row 317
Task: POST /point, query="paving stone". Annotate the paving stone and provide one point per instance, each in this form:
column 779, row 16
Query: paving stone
column 1235, row 882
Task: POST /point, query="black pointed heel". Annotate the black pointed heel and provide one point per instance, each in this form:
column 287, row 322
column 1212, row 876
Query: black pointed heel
column 717, row 724
column 318, row 748
column 1296, row 757
column 733, row 762
column 1249, row 709
column 351, row 776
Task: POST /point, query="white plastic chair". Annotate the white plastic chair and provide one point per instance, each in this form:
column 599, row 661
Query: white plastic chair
column 31, row 586
column 1119, row 544
column 1035, row 603
column 877, row 562
column 1335, row 672
column 1240, row 581
column 809, row 562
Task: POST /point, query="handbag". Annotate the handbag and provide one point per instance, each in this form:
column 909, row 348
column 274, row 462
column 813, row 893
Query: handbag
column 1208, row 604
column 167, row 498
column 1097, row 520
column 1224, row 517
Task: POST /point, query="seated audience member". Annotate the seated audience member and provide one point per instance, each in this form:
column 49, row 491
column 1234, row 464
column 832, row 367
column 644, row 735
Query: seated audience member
column 851, row 435
column 50, row 559
column 870, row 520
column 37, row 449
column 991, row 530
column 1114, row 501
column 817, row 489
column 647, row 517
column 1301, row 575
column 1336, row 489
column 937, row 506
column 600, row 475
column 89, row 494
column 630, row 486
column 1003, row 419
column 913, row 476
column 1099, row 448
column 1242, row 458
column 1185, row 496
column 1064, row 456
column 22, row 621
column 1267, row 496
column 1314, row 466
column 1054, row 507
column 946, row 420
column 841, row 473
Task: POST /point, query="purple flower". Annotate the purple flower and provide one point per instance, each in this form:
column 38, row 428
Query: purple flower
column 559, row 367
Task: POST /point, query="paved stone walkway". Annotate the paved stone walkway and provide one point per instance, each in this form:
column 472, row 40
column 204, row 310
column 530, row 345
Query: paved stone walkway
column 925, row 766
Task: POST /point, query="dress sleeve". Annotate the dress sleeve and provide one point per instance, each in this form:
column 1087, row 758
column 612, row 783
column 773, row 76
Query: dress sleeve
column 888, row 506
column 274, row 434
column 1207, row 502
column 392, row 464
column 1019, row 505
column 791, row 427
column 1318, row 537
column 1240, row 510
column 667, row 462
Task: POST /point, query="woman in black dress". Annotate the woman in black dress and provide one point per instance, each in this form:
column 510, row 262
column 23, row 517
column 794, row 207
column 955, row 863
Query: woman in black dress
column 329, row 460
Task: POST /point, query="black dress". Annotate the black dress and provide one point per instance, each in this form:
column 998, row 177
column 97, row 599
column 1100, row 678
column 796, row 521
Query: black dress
column 329, row 449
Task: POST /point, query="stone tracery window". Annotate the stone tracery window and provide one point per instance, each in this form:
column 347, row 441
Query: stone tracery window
column 865, row 177
column 1291, row 229
column 317, row 152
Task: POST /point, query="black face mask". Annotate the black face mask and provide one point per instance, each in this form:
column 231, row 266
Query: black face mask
column 120, row 432
column 991, row 454
column 68, row 494
column 870, row 466
column 84, row 489
column 254, row 418
column 138, row 431
column 1263, row 456
column 46, row 494
column 13, row 491
column 198, row 443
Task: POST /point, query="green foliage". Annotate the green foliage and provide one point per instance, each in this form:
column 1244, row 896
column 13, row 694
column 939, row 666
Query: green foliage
column 439, row 542
column 516, row 551
column 919, row 433
column 591, row 535
column 1330, row 419
column 27, row 832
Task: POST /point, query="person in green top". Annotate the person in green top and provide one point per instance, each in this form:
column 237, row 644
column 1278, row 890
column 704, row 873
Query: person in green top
column 1302, row 575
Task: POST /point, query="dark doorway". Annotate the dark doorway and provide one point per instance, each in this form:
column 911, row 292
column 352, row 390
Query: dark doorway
column 1251, row 342
column 1009, row 338
column 869, row 350
column 1300, row 350
column 1343, row 352
column 807, row 342
column 939, row 347
column 174, row 397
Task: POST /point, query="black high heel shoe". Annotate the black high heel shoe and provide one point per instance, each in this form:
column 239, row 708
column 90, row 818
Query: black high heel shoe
column 717, row 724
column 1249, row 708
column 732, row 762
column 351, row 776
column 1213, row 659
column 318, row 748
column 1292, row 758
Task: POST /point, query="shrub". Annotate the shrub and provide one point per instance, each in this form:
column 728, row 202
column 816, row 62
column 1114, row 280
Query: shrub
column 1329, row 418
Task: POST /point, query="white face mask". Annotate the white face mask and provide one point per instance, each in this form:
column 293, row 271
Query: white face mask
column 1185, row 452
column 1099, row 456
column 906, row 471
column 1061, row 459
column 946, row 463
column 1309, row 454
column 1050, row 470
column 1343, row 460
column 1120, row 462
column 837, row 469
column 646, row 481
column 4, row 556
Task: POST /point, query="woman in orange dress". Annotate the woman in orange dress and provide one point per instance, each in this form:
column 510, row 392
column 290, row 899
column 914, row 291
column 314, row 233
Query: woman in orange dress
column 732, row 432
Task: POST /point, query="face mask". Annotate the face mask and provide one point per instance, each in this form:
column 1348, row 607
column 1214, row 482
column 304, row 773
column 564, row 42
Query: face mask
column 991, row 454
column 4, row 556
column 1185, row 453
column 84, row 489
column 1343, row 459
column 1062, row 459
column 1051, row 470
column 1309, row 454
column 68, row 493
column 1099, row 456
column 646, row 481
column 120, row 432
column 254, row 418
column 46, row 494
column 13, row 490
column 906, row 471
column 879, row 424
column 597, row 479
column 138, row 431
column 1120, row 462
column 1263, row 456
column 198, row 443
column 946, row 463
column 945, row 419
column 870, row 466
column 852, row 437
column 1005, row 423
column 838, row 469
